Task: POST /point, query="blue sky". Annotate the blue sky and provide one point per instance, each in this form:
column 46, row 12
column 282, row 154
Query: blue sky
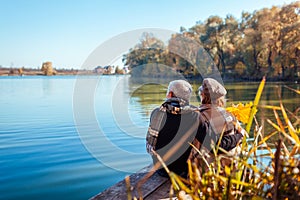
column 66, row 32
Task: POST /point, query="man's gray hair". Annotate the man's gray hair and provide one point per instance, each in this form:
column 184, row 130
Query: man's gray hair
column 181, row 89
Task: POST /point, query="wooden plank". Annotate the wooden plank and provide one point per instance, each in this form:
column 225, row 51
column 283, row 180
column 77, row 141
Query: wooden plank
column 162, row 192
column 119, row 191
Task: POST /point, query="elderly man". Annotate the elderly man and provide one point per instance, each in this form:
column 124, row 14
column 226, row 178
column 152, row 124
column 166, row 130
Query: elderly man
column 172, row 127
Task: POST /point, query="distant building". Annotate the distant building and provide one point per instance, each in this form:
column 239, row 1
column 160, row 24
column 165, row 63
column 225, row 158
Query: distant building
column 104, row 70
column 47, row 69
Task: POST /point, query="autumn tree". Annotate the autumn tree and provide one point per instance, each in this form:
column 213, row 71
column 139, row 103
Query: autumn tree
column 183, row 49
column 147, row 57
column 265, row 42
column 220, row 40
column 271, row 40
column 288, row 51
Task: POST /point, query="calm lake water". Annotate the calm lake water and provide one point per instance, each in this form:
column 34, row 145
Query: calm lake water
column 72, row 137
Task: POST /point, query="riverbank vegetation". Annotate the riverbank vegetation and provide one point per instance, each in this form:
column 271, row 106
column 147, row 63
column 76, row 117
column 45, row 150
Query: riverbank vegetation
column 261, row 171
column 48, row 70
column 265, row 42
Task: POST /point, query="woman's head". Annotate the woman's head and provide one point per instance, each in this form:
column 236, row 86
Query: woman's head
column 212, row 92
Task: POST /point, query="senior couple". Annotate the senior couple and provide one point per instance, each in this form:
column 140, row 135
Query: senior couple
column 176, row 124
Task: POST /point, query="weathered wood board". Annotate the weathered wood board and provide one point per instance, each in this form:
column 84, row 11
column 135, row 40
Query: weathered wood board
column 155, row 187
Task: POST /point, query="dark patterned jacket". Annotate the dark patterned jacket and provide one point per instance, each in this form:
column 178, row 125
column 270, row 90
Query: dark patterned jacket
column 172, row 128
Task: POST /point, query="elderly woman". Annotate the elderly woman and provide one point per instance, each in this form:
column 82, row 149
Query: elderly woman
column 216, row 126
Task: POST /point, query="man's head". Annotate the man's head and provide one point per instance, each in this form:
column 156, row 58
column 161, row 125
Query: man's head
column 212, row 92
column 181, row 89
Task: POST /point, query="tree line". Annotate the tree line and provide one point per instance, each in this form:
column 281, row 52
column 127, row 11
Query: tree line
column 264, row 42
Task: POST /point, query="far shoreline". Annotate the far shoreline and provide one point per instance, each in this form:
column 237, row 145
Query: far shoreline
column 14, row 72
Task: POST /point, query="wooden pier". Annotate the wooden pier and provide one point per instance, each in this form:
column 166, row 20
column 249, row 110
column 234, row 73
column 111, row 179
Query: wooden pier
column 154, row 188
